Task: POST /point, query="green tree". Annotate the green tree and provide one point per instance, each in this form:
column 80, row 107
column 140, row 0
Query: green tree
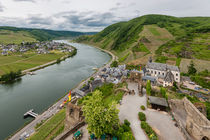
column 148, row 87
column 191, row 69
column 114, row 64
column 163, row 92
column 127, row 136
column 100, row 118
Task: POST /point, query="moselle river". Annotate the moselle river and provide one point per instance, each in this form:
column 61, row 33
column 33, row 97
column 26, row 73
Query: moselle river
column 40, row 91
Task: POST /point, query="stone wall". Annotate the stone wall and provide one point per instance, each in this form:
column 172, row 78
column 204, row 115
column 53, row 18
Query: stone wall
column 189, row 117
column 73, row 115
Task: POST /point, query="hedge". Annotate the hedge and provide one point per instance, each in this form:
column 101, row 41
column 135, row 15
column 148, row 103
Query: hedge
column 142, row 116
column 149, row 131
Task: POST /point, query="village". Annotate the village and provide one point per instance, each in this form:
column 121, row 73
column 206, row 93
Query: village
column 156, row 92
column 39, row 47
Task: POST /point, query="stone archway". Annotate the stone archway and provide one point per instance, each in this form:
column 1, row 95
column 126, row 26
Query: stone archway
column 205, row 138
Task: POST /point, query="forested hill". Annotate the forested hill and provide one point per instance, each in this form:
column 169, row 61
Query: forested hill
column 16, row 35
column 163, row 37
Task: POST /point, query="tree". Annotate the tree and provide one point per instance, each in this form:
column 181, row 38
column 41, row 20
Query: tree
column 148, row 87
column 163, row 92
column 191, row 69
column 114, row 64
column 100, row 118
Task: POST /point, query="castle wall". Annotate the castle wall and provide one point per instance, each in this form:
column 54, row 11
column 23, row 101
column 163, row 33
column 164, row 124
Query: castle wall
column 195, row 123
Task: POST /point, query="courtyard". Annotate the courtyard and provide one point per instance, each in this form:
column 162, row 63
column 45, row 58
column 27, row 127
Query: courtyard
column 161, row 122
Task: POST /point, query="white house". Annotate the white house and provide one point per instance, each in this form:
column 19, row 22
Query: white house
column 167, row 73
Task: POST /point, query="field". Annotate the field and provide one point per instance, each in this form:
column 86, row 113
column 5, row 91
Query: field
column 25, row 61
column 51, row 128
column 10, row 37
column 200, row 65
column 156, row 36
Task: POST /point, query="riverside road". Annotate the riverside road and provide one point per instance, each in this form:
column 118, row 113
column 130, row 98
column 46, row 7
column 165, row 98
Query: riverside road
column 29, row 129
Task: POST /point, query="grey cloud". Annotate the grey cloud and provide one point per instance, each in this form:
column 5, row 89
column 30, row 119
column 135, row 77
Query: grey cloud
column 1, row 7
column 25, row 1
column 87, row 20
column 38, row 20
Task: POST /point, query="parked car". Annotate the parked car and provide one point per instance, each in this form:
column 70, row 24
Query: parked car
column 77, row 135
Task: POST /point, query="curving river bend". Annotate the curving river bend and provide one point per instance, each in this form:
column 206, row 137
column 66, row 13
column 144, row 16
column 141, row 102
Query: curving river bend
column 40, row 91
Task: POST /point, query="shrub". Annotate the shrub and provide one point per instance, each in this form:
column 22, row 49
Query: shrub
column 142, row 116
column 143, row 107
column 126, row 128
column 126, row 122
column 58, row 61
column 148, row 129
column 114, row 64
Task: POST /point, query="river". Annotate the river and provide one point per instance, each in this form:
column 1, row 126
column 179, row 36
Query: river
column 40, row 91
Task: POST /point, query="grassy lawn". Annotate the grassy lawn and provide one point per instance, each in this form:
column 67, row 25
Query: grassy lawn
column 26, row 61
column 114, row 97
column 51, row 128
column 154, row 31
column 178, row 61
column 200, row 65
column 9, row 37
column 109, row 94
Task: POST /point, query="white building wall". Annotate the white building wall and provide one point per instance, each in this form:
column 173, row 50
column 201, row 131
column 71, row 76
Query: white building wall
column 155, row 73
column 176, row 76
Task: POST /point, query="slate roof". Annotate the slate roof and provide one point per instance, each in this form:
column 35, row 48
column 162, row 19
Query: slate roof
column 158, row 101
column 151, row 78
column 169, row 77
column 161, row 66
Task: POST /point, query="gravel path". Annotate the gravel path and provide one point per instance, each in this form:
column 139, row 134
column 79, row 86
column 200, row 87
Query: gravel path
column 129, row 110
column 161, row 122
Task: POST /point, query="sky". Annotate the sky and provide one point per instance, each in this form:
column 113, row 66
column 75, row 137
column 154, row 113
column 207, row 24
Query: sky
column 91, row 15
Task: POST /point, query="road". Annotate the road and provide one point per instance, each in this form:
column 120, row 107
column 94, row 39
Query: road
column 29, row 129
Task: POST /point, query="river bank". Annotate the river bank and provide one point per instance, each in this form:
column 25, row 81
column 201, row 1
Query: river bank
column 27, row 71
column 50, row 63
column 54, row 108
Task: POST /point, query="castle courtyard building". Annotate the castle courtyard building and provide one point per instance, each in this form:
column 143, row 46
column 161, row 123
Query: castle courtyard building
column 167, row 73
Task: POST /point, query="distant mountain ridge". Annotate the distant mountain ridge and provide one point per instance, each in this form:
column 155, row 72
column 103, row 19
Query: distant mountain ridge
column 38, row 34
column 155, row 35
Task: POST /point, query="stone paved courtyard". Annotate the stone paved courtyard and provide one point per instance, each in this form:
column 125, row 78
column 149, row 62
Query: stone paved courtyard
column 161, row 122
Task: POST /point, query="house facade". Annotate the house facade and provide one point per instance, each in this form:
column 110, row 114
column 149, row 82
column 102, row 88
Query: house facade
column 167, row 73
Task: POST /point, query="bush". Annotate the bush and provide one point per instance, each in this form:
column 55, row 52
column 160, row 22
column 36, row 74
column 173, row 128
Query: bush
column 208, row 110
column 126, row 122
column 114, row 64
column 142, row 116
column 126, row 128
column 148, row 129
column 58, row 61
column 143, row 107
column 10, row 76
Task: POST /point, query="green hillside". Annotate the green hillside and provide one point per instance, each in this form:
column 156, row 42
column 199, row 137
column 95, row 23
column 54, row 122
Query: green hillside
column 165, row 38
column 17, row 35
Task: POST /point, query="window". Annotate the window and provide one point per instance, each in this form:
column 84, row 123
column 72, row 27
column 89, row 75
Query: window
column 151, row 71
column 176, row 79
column 159, row 73
column 155, row 72
column 163, row 73
column 176, row 74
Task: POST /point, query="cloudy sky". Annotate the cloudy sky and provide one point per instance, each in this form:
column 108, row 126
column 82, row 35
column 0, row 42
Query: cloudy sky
column 91, row 15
